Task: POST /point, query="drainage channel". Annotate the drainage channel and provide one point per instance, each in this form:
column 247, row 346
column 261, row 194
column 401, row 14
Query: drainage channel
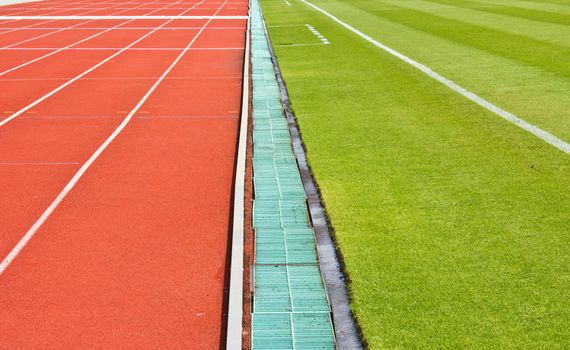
column 290, row 305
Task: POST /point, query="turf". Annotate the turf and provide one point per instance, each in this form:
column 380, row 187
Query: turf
column 453, row 224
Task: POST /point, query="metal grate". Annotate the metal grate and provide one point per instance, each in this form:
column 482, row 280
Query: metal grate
column 290, row 305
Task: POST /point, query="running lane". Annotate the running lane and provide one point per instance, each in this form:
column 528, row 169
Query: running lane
column 135, row 255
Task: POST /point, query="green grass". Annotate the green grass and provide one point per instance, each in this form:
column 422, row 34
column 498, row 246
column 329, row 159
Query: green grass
column 453, row 224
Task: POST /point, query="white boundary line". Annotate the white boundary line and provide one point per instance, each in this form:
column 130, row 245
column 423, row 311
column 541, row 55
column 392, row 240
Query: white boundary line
column 234, row 332
column 115, row 17
column 71, row 184
column 536, row 131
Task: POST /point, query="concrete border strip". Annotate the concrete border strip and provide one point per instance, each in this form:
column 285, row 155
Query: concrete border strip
column 536, row 131
column 235, row 304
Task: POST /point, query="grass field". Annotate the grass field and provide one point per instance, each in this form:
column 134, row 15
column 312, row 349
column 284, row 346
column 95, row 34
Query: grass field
column 454, row 225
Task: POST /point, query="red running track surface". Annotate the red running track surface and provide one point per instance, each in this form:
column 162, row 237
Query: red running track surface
column 135, row 255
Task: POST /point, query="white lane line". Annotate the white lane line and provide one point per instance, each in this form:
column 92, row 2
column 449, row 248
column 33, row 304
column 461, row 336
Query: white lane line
column 128, row 28
column 73, row 44
column 71, row 184
column 58, row 30
column 39, row 163
column 125, row 8
column 188, row 117
column 193, row 77
column 71, row 81
column 36, row 24
column 536, row 131
column 165, row 117
column 117, row 17
column 108, row 49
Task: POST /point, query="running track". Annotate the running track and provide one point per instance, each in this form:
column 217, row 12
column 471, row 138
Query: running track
column 122, row 135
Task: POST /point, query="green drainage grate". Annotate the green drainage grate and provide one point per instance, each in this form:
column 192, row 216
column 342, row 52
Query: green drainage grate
column 277, row 246
column 299, row 331
column 280, row 214
column 289, row 288
column 290, row 305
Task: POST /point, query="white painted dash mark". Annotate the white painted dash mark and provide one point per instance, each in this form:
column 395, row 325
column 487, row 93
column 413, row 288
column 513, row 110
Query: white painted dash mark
column 318, row 35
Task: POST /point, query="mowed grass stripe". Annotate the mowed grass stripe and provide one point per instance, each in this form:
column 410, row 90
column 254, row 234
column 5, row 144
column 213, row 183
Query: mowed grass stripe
column 531, row 5
column 540, row 31
column 452, row 223
column 534, row 94
column 543, row 55
column 534, row 15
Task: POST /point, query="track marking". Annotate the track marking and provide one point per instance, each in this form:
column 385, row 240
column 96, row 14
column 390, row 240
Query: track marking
column 119, row 78
column 71, row 81
column 71, row 184
column 73, row 44
column 129, row 28
column 109, row 49
column 536, row 131
column 60, row 30
column 39, row 163
column 63, row 10
column 118, row 17
column 137, row 117
column 189, row 117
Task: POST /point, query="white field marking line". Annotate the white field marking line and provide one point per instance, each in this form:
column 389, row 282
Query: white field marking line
column 536, row 131
column 73, row 44
column 286, row 26
column 287, row 2
column 36, row 24
column 60, row 30
column 118, row 17
column 286, row 45
column 234, row 330
column 71, row 184
column 317, row 34
column 69, row 82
